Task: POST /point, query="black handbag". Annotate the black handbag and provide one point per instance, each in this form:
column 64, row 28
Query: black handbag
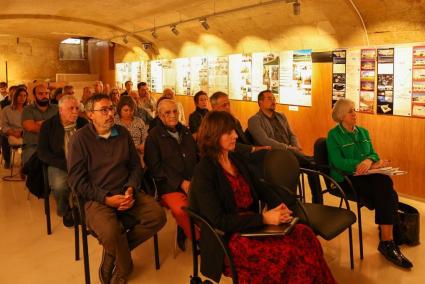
column 409, row 226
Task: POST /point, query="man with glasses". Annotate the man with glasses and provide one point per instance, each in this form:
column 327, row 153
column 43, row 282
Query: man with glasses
column 104, row 169
column 33, row 117
column 170, row 157
column 68, row 90
column 271, row 128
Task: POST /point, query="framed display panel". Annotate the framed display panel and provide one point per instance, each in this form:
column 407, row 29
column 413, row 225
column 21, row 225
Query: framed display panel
column 367, row 80
column 199, row 74
column 339, row 60
column 218, row 74
column 240, row 77
column 385, row 81
column 418, row 81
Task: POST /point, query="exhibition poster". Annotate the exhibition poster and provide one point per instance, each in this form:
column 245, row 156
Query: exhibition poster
column 183, row 76
column 402, row 81
column 168, row 74
column 418, row 82
column 367, row 80
column 352, row 89
column 295, row 77
column 218, row 74
column 385, row 96
column 339, row 60
column 257, row 75
column 135, row 73
column 240, row 66
column 156, row 85
column 199, row 74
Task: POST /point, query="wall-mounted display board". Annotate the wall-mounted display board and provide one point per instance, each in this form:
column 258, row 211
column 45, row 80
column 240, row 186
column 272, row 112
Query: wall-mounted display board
column 367, row 80
column 418, row 82
column 352, row 89
column 156, row 83
column 402, row 81
column 240, row 77
column 183, row 80
column 385, row 96
column 339, row 59
column 218, row 74
column 169, row 74
column 135, row 72
column 199, row 74
column 295, row 77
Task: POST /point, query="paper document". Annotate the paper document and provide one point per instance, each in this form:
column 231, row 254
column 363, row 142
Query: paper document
column 390, row 171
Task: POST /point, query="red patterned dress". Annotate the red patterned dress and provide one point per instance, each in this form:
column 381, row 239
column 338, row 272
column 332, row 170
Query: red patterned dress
column 294, row 258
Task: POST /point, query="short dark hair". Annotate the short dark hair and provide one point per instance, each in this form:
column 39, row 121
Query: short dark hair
column 141, row 84
column 125, row 101
column 57, row 92
column 3, row 85
column 216, row 96
column 213, row 126
column 197, row 95
column 88, row 106
column 128, row 81
column 261, row 95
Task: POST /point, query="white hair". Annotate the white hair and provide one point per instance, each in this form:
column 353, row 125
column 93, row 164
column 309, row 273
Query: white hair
column 341, row 108
column 162, row 102
column 66, row 98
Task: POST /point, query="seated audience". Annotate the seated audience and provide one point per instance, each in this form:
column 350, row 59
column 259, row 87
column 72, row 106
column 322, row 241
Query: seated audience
column 220, row 102
column 7, row 100
column 57, row 94
column 147, row 100
column 271, row 128
column 87, row 93
column 98, row 87
column 350, row 151
column 11, row 123
column 104, row 169
column 33, row 116
column 195, row 118
column 115, row 96
column 106, row 89
column 140, row 111
column 3, row 91
column 135, row 125
column 226, row 193
column 170, row 157
column 128, row 88
column 169, row 94
column 53, row 150
column 68, row 90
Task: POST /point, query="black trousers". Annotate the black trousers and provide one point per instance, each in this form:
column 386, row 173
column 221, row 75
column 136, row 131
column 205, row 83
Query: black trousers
column 5, row 148
column 313, row 180
column 376, row 192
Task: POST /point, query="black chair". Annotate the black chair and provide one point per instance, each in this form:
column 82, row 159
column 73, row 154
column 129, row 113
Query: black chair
column 282, row 171
column 322, row 163
column 197, row 219
column 79, row 206
column 46, row 199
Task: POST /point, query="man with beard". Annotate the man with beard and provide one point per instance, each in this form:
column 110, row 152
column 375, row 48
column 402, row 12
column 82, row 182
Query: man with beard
column 33, row 116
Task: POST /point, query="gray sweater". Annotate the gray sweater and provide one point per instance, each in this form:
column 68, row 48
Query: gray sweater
column 261, row 130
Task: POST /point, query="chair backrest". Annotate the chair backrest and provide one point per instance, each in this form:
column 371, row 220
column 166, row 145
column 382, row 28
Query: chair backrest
column 321, row 153
column 249, row 136
column 281, row 168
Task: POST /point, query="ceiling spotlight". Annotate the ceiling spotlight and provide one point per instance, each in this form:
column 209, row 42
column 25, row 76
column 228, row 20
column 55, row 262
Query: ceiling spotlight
column 204, row 23
column 125, row 39
column 174, row 30
column 154, row 34
column 297, row 8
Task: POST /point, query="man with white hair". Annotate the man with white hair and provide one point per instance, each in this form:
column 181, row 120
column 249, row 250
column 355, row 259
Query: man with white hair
column 170, row 157
column 52, row 150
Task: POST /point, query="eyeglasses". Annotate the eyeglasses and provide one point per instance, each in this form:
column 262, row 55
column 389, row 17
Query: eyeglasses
column 173, row 112
column 106, row 110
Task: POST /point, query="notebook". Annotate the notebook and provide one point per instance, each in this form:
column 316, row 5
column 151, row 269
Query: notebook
column 270, row 230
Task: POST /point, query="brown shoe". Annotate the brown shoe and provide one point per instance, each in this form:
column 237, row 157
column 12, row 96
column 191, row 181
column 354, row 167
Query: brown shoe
column 118, row 279
column 106, row 267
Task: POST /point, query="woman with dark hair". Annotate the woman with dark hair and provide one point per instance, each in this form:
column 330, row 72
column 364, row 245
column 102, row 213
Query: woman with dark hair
column 226, row 193
column 115, row 96
column 135, row 125
column 57, row 95
column 195, row 118
column 11, row 122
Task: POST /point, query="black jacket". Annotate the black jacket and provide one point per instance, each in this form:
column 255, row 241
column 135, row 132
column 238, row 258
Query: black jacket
column 51, row 142
column 196, row 118
column 211, row 195
column 168, row 161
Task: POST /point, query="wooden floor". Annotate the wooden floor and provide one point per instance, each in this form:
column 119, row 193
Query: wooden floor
column 29, row 255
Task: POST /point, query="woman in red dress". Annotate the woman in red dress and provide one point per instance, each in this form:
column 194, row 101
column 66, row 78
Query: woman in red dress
column 225, row 191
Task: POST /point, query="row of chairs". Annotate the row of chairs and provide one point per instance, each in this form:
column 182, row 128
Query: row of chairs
column 282, row 171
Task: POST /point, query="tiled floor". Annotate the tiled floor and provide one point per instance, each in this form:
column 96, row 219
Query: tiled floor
column 29, row 255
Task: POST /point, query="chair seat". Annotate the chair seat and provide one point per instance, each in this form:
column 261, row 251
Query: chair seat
column 329, row 221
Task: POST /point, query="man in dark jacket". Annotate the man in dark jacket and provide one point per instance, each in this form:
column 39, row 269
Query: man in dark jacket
column 170, row 157
column 52, row 150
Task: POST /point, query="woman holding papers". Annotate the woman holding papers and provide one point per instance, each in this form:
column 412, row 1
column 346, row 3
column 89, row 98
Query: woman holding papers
column 223, row 191
column 350, row 151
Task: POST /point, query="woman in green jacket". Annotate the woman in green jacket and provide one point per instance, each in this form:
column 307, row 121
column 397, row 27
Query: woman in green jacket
column 351, row 152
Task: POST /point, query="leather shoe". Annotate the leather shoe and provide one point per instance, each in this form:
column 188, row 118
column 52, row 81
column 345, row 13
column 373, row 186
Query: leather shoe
column 118, row 279
column 107, row 265
column 68, row 219
column 181, row 238
column 391, row 252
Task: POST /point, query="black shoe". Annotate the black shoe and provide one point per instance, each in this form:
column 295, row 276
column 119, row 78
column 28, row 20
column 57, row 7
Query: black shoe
column 6, row 165
column 68, row 220
column 391, row 252
column 181, row 238
column 106, row 267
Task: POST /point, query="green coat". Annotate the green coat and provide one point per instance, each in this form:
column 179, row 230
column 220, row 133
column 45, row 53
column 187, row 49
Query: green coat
column 347, row 149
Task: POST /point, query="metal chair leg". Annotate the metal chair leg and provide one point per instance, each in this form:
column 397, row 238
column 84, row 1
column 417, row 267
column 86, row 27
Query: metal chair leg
column 156, row 250
column 359, row 220
column 85, row 253
column 12, row 162
column 350, row 237
column 76, row 234
column 47, row 212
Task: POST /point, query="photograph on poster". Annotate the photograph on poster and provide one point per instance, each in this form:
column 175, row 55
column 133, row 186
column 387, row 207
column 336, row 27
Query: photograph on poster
column 338, row 78
column 386, row 55
column 419, row 74
column 385, row 82
column 367, row 65
column 339, row 56
column 367, row 76
column 418, row 110
column 418, row 86
column 368, row 54
column 218, row 74
column 246, row 77
column 366, row 101
column 367, row 86
column 271, row 72
column 419, row 51
column 418, row 98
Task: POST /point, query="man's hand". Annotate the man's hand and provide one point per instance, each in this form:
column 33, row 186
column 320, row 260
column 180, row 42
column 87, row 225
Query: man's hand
column 258, row 148
column 185, row 185
column 363, row 167
column 129, row 200
column 114, row 200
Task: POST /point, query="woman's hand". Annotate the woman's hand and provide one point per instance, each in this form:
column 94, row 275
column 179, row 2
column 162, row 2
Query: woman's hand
column 141, row 148
column 278, row 215
column 380, row 164
column 363, row 167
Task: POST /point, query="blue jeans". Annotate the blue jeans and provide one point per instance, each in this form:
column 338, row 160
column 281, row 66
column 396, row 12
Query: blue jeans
column 59, row 185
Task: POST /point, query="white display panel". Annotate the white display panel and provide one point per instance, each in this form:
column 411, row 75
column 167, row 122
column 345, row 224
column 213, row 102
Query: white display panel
column 240, row 66
column 199, row 74
column 218, row 74
column 168, row 74
column 156, row 76
column 183, row 78
column 403, row 81
column 353, row 76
